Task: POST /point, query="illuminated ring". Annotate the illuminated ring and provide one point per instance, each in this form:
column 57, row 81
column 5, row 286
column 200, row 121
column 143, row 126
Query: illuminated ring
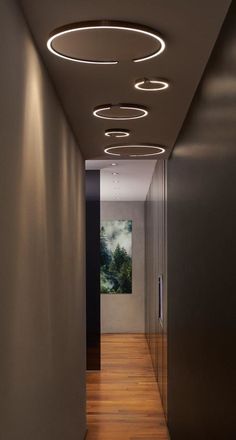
column 142, row 110
column 161, row 150
column 161, row 85
column 77, row 27
column 119, row 133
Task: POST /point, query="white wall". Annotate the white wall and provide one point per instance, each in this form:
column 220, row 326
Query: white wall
column 42, row 283
column 121, row 313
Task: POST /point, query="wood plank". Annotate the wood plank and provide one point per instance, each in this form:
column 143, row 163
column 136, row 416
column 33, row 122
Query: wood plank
column 123, row 401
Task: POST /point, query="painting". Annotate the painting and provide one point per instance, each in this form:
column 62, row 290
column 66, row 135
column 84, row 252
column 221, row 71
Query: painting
column 116, row 256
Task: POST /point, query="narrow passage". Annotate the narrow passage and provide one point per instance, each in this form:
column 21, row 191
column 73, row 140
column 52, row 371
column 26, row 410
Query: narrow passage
column 123, row 401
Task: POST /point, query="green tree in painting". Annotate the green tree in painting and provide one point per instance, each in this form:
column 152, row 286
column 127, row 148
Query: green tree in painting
column 105, row 261
column 116, row 263
column 105, row 255
column 121, row 270
column 119, row 257
column 125, row 277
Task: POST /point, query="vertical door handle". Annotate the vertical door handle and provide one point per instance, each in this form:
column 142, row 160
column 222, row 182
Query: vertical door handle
column 160, row 299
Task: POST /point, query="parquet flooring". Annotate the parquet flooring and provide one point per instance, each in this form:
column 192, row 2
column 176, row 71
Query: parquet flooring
column 123, row 401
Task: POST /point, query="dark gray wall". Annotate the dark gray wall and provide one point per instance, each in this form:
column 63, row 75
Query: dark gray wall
column 202, row 256
column 93, row 321
column 42, row 250
column 156, row 329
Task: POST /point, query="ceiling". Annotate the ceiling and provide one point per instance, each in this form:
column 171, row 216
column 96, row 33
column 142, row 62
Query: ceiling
column 130, row 183
column 189, row 29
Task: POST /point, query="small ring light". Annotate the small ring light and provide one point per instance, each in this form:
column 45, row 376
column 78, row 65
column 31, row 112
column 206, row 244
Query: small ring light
column 151, row 85
column 117, row 133
column 132, row 108
column 159, row 150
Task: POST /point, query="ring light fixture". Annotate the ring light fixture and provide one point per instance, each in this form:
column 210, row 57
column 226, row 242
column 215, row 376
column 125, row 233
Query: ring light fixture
column 60, row 35
column 151, row 85
column 129, row 112
column 117, row 133
column 154, row 150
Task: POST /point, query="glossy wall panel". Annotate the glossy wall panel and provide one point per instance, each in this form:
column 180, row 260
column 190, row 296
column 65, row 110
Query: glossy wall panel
column 156, row 276
column 202, row 256
column 93, row 297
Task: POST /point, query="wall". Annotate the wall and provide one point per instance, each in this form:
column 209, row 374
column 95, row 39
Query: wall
column 93, row 297
column 42, row 279
column 202, row 255
column 125, row 313
column 156, row 328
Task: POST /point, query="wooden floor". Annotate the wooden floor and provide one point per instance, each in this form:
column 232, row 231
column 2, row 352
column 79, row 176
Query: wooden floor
column 123, row 402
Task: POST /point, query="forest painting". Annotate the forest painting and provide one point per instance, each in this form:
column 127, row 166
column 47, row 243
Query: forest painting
column 116, row 256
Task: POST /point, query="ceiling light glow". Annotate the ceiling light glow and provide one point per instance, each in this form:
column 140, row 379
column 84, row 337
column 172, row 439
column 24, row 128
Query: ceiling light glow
column 132, row 108
column 157, row 150
column 156, row 85
column 104, row 25
column 117, row 133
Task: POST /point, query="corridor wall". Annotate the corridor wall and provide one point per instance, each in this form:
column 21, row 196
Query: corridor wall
column 202, row 255
column 42, row 258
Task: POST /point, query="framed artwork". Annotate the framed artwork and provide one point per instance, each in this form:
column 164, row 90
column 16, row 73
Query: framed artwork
column 116, row 256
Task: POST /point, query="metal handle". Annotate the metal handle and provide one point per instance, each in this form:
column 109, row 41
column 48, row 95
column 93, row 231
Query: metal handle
column 160, row 299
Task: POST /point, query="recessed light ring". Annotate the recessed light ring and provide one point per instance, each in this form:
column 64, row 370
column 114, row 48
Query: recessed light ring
column 117, row 133
column 157, row 148
column 156, row 85
column 101, row 108
column 104, row 24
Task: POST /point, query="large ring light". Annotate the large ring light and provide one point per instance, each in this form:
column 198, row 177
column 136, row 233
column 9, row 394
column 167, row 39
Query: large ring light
column 101, row 25
column 151, row 85
column 141, row 110
column 158, row 150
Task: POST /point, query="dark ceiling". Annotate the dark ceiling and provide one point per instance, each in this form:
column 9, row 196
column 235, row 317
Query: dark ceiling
column 189, row 29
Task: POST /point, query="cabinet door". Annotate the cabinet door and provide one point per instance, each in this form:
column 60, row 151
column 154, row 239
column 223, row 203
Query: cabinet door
column 161, row 283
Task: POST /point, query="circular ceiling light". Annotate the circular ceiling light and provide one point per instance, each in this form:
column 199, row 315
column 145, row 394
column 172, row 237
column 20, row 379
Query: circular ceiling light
column 117, row 133
column 105, row 42
column 151, row 85
column 120, row 112
column 134, row 150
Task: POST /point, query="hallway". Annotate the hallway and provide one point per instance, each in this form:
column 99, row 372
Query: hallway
column 117, row 225
column 123, row 401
